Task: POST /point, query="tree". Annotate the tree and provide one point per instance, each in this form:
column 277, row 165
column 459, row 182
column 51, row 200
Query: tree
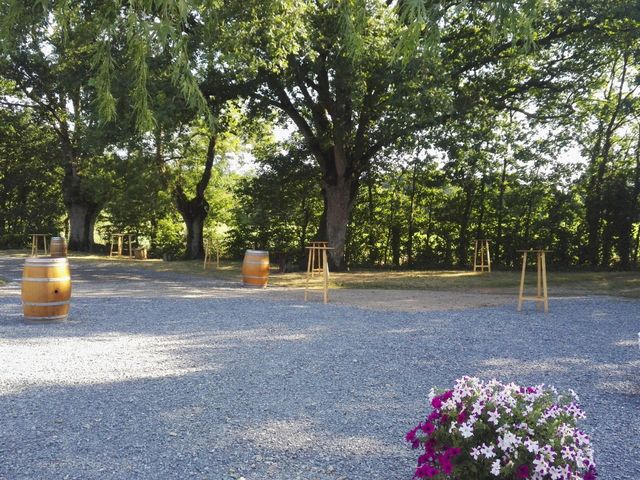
column 30, row 177
column 47, row 61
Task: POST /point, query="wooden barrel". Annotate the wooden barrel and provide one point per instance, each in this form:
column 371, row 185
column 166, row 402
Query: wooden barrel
column 58, row 247
column 46, row 288
column 255, row 268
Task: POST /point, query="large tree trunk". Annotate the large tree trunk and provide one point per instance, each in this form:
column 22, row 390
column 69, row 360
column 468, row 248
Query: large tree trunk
column 194, row 211
column 82, row 207
column 338, row 203
column 82, row 219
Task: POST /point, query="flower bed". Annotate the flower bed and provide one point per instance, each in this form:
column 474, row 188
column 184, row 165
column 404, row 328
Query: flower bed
column 491, row 430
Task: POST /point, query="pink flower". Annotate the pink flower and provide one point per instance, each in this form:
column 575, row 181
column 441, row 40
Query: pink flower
column 453, row 452
column 433, row 416
column 428, row 428
column 445, row 463
column 426, row 471
column 436, row 402
column 411, row 435
column 522, row 471
column 463, row 416
column 447, row 467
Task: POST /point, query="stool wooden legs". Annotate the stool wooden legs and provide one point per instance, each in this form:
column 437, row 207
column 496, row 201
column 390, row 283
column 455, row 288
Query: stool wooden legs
column 544, row 283
column 317, row 254
column 118, row 241
column 541, row 298
column 207, row 254
column 35, row 243
column 480, row 254
column 524, row 269
column 325, row 270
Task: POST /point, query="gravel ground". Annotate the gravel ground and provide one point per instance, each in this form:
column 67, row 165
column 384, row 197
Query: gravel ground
column 160, row 376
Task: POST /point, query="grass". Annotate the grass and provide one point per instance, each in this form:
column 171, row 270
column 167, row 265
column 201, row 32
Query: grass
column 626, row 284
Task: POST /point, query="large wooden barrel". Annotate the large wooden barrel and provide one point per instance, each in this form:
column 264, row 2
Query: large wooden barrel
column 255, row 268
column 46, row 288
column 58, row 247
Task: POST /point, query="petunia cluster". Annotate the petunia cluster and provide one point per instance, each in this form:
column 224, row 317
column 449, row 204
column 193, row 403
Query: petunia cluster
column 502, row 431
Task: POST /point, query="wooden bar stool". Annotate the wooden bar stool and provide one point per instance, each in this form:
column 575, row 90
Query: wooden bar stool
column 315, row 259
column 117, row 240
column 481, row 250
column 35, row 241
column 319, row 252
column 541, row 298
column 209, row 246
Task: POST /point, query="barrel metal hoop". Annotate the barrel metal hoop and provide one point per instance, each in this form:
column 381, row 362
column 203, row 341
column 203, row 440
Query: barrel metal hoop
column 46, row 304
column 53, row 317
column 46, row 262
column 46, row 280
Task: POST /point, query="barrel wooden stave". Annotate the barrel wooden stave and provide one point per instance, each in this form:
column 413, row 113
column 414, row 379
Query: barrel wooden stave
column 46, row 289
column 255, row 268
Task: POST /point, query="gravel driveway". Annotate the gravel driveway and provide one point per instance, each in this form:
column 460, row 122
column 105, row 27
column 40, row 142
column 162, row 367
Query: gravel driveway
column 163, row 376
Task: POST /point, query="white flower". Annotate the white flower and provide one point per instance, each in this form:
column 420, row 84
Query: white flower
column 532, row 445
column 466, row 430
column 475, row 452
column 432, row 394
column 541, row 466
column 495, row 468
column 477, row 408
column 488, row 451
column 549, row 453
column 574, row 395
column 508, row 441
column 556, row 473
column 494, row 417
column 450, row 404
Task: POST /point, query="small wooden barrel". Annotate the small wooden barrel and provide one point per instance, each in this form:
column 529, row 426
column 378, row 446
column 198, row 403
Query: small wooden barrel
column 46, row 288
column 255, row 268
column 58, row 247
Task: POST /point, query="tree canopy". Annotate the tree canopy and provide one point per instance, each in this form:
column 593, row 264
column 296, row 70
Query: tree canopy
column 419, row 125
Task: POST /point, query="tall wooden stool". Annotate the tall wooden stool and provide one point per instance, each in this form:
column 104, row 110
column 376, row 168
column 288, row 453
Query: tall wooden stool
column 541, row 298
column 315, row 264
column 117, row 241
column 35, row 241
column 209, row 246
column 319, row 252
column 480, row 254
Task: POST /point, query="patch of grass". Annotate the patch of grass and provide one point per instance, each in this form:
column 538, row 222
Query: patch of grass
column 626, row 284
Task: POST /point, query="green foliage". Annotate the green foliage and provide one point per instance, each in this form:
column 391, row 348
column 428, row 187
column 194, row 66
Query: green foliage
column 30, row 196
column 169, row 240
column 277, row 209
